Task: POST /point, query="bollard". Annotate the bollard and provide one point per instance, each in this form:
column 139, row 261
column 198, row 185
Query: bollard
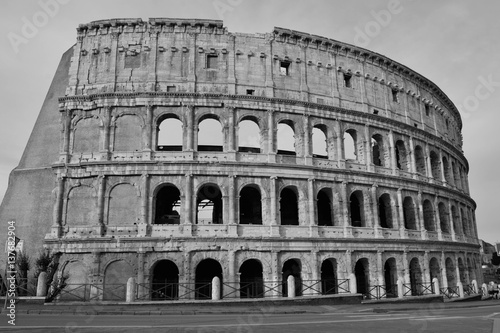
column 484, row 287
column 131, row 287
column 290, row 281
column 435, row 282
column 460, row 289
column 41, row 287
column 353, row 286
column 215, row 288
column 475, row 286
column 401, row 290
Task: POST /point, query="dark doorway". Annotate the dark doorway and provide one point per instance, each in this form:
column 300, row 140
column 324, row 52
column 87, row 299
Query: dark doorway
column 324, row 208
column 168, row 205
column 292, row 267
column 165, row 283
column 251, row 281
column 415, row 277
column 205, row 271
column 356, row 199
column 391, row 278
column 289, row 208
column 329, row 277
column 250, row 206
column 361, row 270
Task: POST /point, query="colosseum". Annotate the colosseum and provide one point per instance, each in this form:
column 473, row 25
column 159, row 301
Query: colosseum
column 173, row 151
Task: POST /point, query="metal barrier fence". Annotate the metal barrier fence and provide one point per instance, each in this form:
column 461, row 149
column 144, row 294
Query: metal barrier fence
column 92, row 292
column 382, row 291
column 469, row 289
column 450, row 292
column 173, row 291
column 418, row 289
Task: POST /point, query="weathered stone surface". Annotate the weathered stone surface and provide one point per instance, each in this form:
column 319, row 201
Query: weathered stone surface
column 103, row 181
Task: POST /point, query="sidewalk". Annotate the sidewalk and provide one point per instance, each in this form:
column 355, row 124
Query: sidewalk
column 295, row 306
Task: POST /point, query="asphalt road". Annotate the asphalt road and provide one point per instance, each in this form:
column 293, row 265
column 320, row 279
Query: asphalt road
column 434, row 318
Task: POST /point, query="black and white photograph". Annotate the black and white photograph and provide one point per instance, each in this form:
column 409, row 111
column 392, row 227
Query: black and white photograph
column 248, row 166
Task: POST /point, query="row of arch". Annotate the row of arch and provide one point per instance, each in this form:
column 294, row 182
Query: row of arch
column 329, row 208
column 251, row 136
column 165, row 283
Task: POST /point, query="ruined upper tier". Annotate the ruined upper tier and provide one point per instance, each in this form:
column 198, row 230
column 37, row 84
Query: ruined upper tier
column 200, row 56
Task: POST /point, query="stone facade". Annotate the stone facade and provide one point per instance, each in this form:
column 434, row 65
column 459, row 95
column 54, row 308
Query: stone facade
column 127, row 204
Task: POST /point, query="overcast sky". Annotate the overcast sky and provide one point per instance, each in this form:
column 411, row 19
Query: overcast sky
column 454, row 43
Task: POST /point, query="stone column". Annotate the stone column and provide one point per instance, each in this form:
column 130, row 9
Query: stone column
column 368, row 149
column 443, row 270
column 189, row 198
column 438, row 218
column 406, row 268
column 340, row 146
column 271, row 137
column 460, row 218
column 349, row 268
column 313, row 225
column 451, row 218
column 428, row 162
column 420, row 215
column 394, row 163
column 57, row 217
column 273, row 206
column 189, row 127
column 232, row 203
column 147, row 151
column 145, row 223
column 443, row 177
column 402, row 227
column 380, row 269
column 141, row 288
column 100, row 204
column 426, row 279
column 232, row 279
column 375, row 213
column 413, row 165
column 96, row 281
column 345, row 209
column 275, row 276
column 232, row 144
column 106, row 133
column 308, row 152
column 315, row 275
column 65, row 149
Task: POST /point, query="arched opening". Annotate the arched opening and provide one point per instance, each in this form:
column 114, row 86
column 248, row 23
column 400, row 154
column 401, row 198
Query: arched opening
column 379, row 157
column 443, row 218
column 209, row 205
column 350, row 151
column 471, row 270
column 165, row 282
column 391, row 278
column 356, row 209
column 465, row 224
column 436, row 169
column 451, row 275
column 462, row 270
column 286, row 138
column 210, row 135
column 319, row 141
column 206, row 270
column 385, row 211
column 169, row 134
column 289, row 207
column 167, row 205
column 435, row 270
column 420, row 160
column 250, row 205
column 251, row 280
column 429, row 223
column 324, row 208
column 362, row 273
column 292, row 267
column 454, row 217
column 447, row 173
column 249, row 136
column 329, row 277
column 402, row 161
column 415, row 277
column 409, row 214
column 116, row 276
